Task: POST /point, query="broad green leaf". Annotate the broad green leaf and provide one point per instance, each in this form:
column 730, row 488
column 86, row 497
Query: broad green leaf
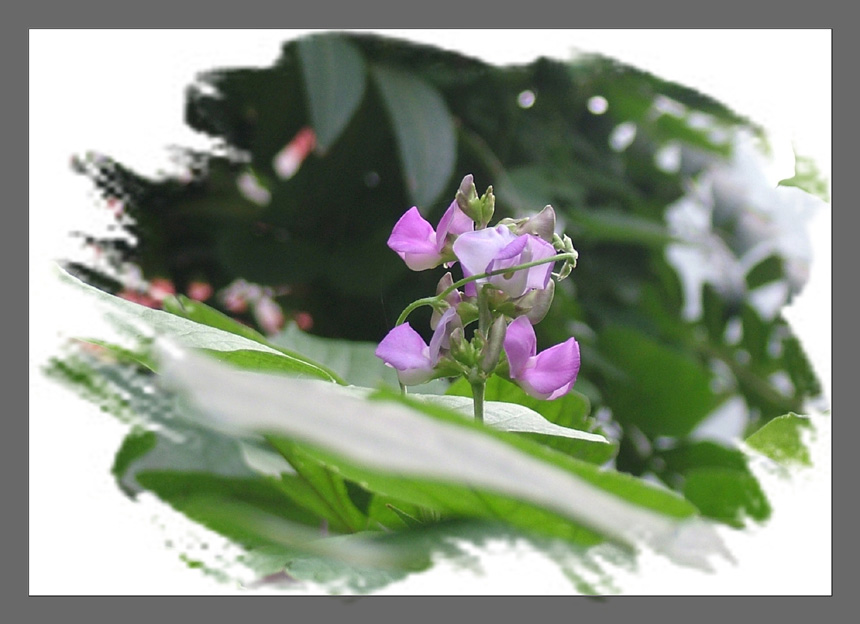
column 431, row 457
column 562, row 424
column 145, row 324
column 424, row 131
column 663, row 391
column 334, row 78
column 782, row 439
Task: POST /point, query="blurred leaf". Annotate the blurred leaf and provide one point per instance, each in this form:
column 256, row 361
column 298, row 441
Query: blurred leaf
column 663, row 392
column 199, row 312
column 428, row 456
column 199, row 495
column 135, row 445
column 782, row 439
column 716, row 479
column 808, row 177
column 615, row 226
column 424, row 131
column 571, row 412
column 144, row 324
column 319, row 488
column 516, row 418
column 726, row 495
column 770, row 269
column 243, row 358
column 334, row 78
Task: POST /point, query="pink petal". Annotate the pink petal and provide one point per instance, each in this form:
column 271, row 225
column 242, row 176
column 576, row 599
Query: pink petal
column 520, row 345
column 552, row 372
column 441, row 335
column 526, row 248
column 475, row 250
column 414, row 240
column 454, row 222
column 404, row 350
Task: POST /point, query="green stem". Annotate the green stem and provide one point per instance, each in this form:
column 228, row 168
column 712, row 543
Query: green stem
column 478, row 397
column 429, row 301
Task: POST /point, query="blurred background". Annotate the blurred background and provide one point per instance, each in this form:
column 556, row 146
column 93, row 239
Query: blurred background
column 264, row 177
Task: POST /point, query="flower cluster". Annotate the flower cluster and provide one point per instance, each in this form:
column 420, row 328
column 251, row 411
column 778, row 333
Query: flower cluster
column 507, row 287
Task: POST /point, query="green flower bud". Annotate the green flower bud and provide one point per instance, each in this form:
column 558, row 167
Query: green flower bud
column 467, row 198
column 493, row 348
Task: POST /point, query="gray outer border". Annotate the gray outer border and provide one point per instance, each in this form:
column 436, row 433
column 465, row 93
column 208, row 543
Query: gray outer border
column 386, row 15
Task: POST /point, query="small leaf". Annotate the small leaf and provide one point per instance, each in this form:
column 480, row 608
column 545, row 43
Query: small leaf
column 335, row 79
column 424, row 131
column 768, row 270
column 782, row 439
column 808, row 177
column 726, row 495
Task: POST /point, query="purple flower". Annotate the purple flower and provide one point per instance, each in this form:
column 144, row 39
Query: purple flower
column 404, row 349
column 545, row 375
column 419, row 245
column 487, row 250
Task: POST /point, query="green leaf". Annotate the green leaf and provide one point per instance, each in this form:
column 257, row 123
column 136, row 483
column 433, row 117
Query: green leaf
column 335, row 79
column 424, row 131
column 663, row 391
column 318, row 485
column 144, row 324
column 428, row 456
column 717, row 480
column 199, row 312
column 726, row 495
column 549, row 422
column 768, row 270
column 198, row 495
column 782, row 439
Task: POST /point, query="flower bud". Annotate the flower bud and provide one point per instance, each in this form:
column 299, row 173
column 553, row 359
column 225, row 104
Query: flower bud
column 495, row 342
column 541, row 225
column 535, row 304
column 467, row 195
column 488, row 206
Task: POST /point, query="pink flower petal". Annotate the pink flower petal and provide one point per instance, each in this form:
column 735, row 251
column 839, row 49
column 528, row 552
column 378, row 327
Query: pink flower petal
column 404, row 350
column 475, row 250
column 454, row 222
column 520, row 345
column 414, row 240
column 552, row 372
column 524, row 249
